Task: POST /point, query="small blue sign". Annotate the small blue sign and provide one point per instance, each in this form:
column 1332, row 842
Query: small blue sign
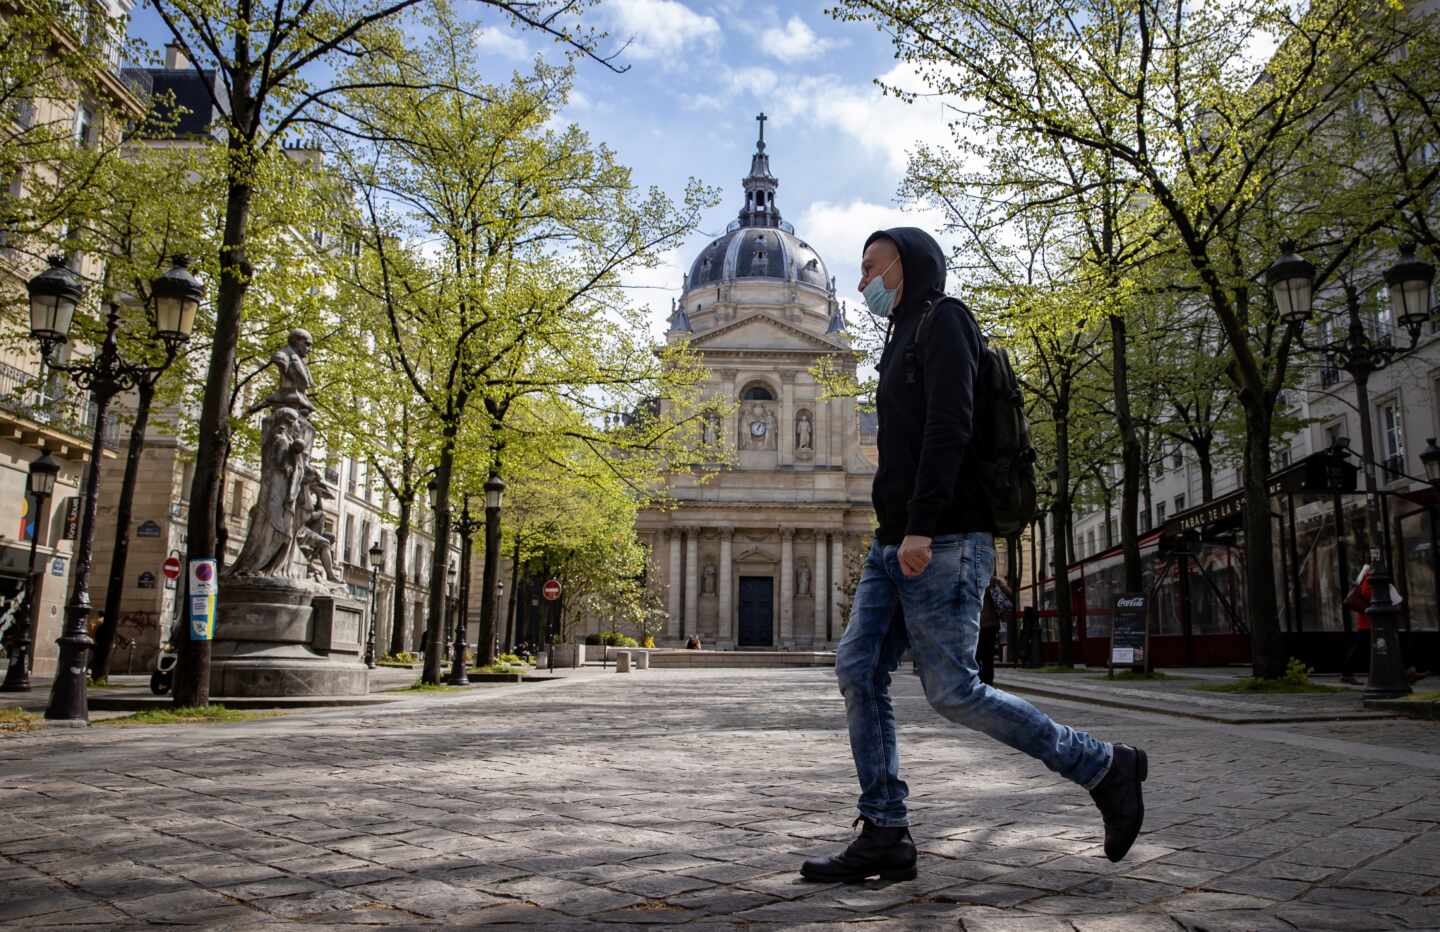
column 57, row 566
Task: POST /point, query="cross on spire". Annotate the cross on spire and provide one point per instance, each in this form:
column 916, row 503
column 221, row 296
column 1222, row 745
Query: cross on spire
column 761, row 120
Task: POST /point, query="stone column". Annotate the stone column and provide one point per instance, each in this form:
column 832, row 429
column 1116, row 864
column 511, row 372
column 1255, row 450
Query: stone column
column 837, row 562
column 672, row 593
column 787, row 587
column 692, row 582
column 730, row 424
column 723, row 583
column 825, row 414
column 819, row 585
column 787, row 417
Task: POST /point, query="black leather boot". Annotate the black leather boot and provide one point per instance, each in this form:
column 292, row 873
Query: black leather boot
column 885, row 852
column 1121, row 801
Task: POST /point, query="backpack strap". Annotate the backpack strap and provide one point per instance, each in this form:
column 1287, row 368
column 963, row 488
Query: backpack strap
column 922, row 332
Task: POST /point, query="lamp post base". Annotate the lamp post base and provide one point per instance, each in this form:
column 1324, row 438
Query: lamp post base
column 17, row 674
column 69, row 697
column 1386, row 679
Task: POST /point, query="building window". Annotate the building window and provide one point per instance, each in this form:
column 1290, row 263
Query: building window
column 1282, row 457
column 1157, row 468
column 1177, row 459
column 757, row 393
column 348, row 552
column 84, row 126
column 1091, row 546
column 1179, row 503
column 1333, row 433
column 1145, row 523
column 1392, row 438
column 1159, row 512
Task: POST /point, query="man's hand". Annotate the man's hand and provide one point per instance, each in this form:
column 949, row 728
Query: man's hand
column 914, row 554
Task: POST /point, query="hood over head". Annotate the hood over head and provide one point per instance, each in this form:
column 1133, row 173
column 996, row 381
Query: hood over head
column 921, row 260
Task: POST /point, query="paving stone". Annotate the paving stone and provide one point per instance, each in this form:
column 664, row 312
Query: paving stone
column 360, row 820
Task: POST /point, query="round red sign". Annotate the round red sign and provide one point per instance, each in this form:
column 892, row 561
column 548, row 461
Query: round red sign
column 551, row 590
column 172, row 567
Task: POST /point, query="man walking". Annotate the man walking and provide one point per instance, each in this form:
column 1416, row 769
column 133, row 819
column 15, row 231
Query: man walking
column 925, row 576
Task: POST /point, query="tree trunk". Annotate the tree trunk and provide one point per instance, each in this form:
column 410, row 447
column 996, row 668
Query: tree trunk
column 192, row 673
column 1206, row 461
column 1130, row 443
column 398, row 628
column 115, row 588
column 514, row 595
column 1063, row 536
column 439, row 561
column 1267, row 640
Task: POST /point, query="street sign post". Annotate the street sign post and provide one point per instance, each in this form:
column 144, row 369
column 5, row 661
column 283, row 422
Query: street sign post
column 171, row 567
column 1129, row 633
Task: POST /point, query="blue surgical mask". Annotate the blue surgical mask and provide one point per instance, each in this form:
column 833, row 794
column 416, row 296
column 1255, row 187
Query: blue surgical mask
column 880, row 300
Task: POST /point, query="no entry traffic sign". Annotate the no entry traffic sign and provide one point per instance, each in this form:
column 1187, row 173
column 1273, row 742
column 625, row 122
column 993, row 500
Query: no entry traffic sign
column 551, row 590
column 171, row 567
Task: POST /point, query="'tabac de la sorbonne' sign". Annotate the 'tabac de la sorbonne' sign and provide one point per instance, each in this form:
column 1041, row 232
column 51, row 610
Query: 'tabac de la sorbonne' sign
column 1320, row 473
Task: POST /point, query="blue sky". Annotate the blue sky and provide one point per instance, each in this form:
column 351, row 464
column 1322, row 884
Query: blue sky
column 699, row 73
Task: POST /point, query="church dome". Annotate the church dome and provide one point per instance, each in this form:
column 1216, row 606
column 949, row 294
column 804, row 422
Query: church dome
column 758, row 244
column 759, row 252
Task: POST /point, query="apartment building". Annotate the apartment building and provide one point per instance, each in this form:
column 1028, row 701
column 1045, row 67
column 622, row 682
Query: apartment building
column 40, row 410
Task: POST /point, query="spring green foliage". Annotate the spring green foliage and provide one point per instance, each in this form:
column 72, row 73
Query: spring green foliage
column 1296, row 679
column 1157, row 118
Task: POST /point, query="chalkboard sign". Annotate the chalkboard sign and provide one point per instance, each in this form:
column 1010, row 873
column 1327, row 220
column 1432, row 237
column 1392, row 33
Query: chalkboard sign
column 1127, row 632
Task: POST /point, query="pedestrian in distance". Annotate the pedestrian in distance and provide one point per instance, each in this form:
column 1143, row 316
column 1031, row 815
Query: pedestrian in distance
column 995, row 609
column 933, row 555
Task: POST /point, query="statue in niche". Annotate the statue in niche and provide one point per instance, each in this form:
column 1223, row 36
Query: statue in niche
column 802, row 578
column 759, row 426
column 804, row 431
column 707, row 580
column 712, row 428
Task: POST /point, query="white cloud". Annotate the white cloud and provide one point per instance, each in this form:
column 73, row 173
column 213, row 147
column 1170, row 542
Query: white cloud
column 702, row 102
column 838, row 232
column 795, row 42
column 660, row 28
column 883, row 126
column 500, row 43
column 755, row 80
column 653, row 288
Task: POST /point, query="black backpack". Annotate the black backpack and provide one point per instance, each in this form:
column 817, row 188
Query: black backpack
column 1000, row 440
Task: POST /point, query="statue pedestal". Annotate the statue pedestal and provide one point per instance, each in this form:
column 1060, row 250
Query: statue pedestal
column 287, row 637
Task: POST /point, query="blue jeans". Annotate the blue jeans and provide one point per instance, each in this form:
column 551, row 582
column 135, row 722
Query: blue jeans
column 937, row 615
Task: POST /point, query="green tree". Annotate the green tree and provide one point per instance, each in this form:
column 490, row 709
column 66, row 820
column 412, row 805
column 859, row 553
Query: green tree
column 1224, row 148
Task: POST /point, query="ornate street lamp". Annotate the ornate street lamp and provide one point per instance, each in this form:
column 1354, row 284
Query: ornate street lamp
column 377, row 561
column 494, row 496
column 1360, row 354
column 1409, row 284
column 175, row 295
column 466, row 527
column 40, row 484
column 1430, row 459
column 54, row 295
column 1292, row 282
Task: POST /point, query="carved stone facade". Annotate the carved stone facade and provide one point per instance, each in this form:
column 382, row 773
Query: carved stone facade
column 752, row 557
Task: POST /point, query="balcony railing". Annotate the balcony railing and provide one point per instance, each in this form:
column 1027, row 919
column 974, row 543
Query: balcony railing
column 47, row 402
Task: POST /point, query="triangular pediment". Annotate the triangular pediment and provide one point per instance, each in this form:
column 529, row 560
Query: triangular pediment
column 761, row 332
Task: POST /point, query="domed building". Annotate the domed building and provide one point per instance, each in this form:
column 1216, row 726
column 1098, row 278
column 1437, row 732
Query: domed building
column 752, row 557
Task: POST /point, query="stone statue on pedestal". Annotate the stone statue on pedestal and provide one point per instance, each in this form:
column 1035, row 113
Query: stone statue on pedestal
column 284, row 630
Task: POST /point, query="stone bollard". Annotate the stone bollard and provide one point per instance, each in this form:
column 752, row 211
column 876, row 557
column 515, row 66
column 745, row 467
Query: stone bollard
column 622, row 661
column 642, row 660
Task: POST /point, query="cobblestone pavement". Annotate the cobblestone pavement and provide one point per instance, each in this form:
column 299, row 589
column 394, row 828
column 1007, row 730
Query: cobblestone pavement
column 675, row 798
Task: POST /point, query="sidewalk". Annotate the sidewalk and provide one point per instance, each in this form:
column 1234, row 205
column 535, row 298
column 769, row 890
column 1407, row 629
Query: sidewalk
column 1177, row 694
column 686, row 800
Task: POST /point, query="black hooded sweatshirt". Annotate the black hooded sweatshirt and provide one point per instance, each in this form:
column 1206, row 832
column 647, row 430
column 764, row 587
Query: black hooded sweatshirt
column 925, row 483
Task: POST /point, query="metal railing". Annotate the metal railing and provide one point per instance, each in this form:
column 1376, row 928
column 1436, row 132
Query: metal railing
column 46, row 401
